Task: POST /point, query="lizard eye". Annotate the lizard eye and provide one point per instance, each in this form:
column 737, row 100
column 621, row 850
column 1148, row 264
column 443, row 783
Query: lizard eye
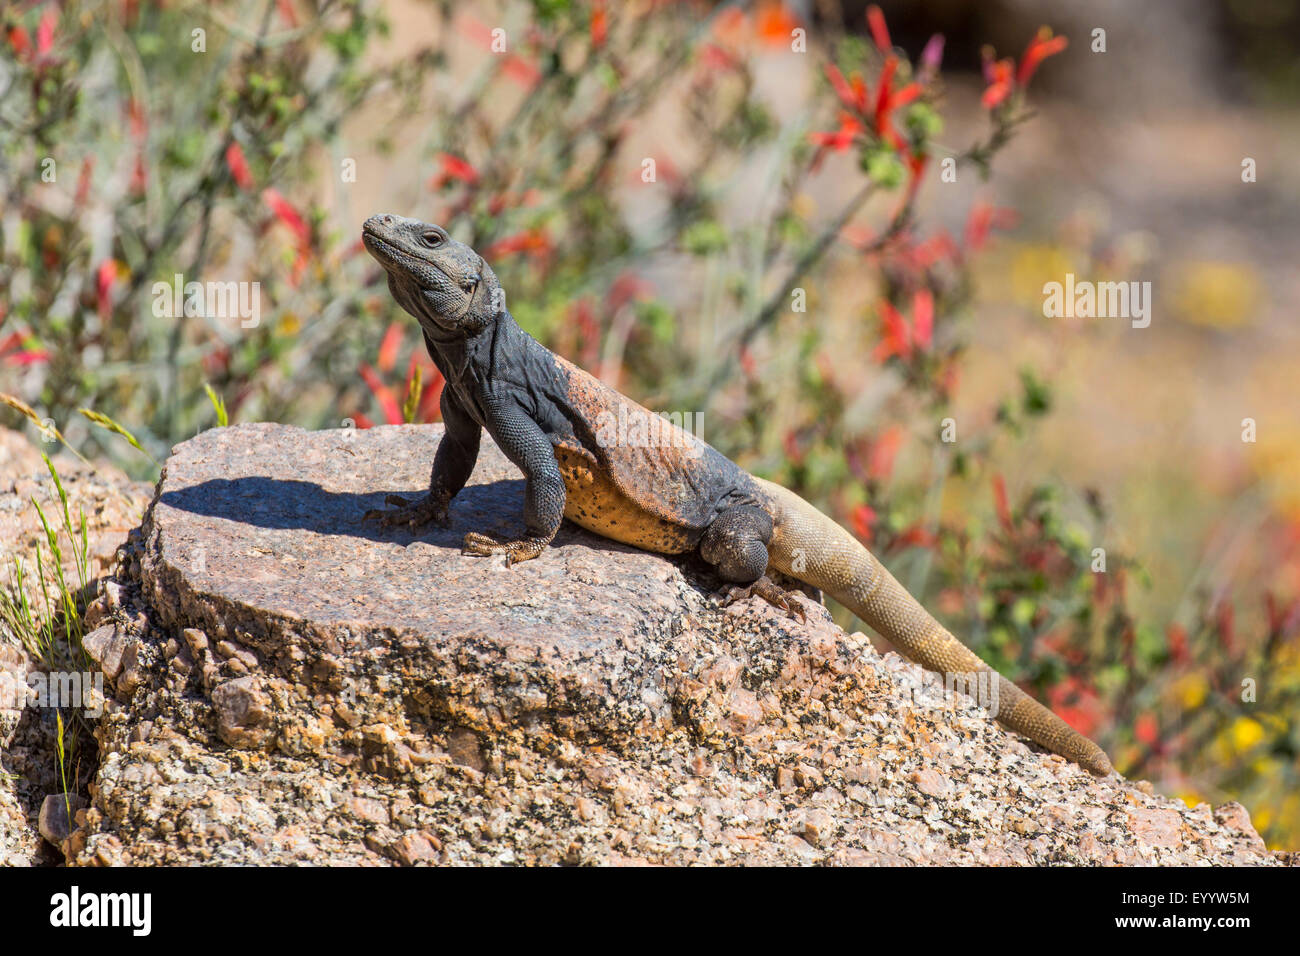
column 431, row 239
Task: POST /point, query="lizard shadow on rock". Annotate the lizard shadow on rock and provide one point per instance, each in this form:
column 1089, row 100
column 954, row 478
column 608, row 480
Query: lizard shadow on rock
column 495, row 507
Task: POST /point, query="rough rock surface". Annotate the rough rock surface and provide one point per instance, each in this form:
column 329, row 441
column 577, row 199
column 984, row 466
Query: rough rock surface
column 112, row 504
column 311, row 689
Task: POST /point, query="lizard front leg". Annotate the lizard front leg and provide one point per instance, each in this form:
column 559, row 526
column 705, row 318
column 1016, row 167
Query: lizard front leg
column 453, row 463
column 525, row 444
column 735, row 543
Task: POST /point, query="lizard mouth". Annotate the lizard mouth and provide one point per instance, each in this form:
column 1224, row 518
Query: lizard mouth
column 387, row 253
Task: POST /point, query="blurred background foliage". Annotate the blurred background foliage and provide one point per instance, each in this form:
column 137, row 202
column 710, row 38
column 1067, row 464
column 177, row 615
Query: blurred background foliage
column 797, row 273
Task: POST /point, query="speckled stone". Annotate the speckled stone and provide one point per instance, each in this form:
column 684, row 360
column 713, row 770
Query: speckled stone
column 112, row 505
column 310, row 689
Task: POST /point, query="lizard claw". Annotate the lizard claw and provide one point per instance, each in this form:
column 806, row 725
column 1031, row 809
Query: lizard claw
column 769, row 591
column 411, row 514
column 521, row 549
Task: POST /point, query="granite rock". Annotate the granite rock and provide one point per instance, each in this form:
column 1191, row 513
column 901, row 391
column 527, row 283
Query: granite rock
column 309, row 688
column 112, row 504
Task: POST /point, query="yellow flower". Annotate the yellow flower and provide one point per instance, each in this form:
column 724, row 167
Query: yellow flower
column 1222, row 295
column 289, row 324
column 1192, row 691
column 1276, row 458
column 1030, row 264
column 1246, row 733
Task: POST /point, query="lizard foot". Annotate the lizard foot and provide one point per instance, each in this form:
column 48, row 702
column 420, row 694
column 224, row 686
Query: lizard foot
column 769, row 591
column 519, row 550
column 410, row 514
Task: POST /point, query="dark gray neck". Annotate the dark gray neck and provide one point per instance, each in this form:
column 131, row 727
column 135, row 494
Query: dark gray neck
column 473, row 358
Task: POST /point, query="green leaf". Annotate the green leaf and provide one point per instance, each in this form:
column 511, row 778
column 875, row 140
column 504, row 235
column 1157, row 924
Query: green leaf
column 883, row 166
column 703, row 237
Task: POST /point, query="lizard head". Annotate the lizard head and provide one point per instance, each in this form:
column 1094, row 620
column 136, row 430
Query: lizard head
column 445, row 284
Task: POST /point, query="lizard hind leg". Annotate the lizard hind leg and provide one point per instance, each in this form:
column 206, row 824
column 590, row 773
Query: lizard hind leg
column 736, row 545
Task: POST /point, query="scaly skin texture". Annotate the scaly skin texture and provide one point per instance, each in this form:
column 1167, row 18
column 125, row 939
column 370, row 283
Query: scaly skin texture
column 593, row 455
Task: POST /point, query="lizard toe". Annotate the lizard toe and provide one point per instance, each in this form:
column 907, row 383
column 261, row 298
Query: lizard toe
column 769, row 591
column 408, row 514
column 522, row 549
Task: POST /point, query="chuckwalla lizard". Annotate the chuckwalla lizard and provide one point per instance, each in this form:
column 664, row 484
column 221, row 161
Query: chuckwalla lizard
column 553, row 420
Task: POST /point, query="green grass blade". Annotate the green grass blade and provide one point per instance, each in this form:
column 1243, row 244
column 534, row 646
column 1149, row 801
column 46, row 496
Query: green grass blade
column 18, row 405
column 103, row 421
column 218, row 405
column 413, row 392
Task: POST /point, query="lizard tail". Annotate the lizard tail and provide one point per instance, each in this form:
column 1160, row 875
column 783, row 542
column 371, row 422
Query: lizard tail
column 810, row 547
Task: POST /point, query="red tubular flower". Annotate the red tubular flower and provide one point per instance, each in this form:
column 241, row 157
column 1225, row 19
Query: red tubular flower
column 238, row 167
column 894, row 336
column 922, row 255
column 599, row 23
column 1000, row 85
column 431, row 400
column 388, row 347
column 887, row 100
column 84, row 180
column 922, row 318
column 453, row 169
column 852, row 92
column 983, row 219
column 883, row 90
column 1003, row 76
column 1176, row 635
column 105, row 278
column 775, row 24
column 515, row 66
column 915, row 167
column 863, row 517
column 1000, row 503
column 388, row 402
column 883, row 451
column 916, row 536
column 729, row 25
column 19, row 41
column 1146, row 729
column 879, row 32
column 286, row 11
column 583, row 313
column 747, row 362
column 287, row 214
column 713, row 57
column 1040, row 48
column 45, row 32
column 627, row 288
column 533, row 242
column 21, row 356
column 1075, row 703
column 792, row 448
column 842, row 138
column 521, row 71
